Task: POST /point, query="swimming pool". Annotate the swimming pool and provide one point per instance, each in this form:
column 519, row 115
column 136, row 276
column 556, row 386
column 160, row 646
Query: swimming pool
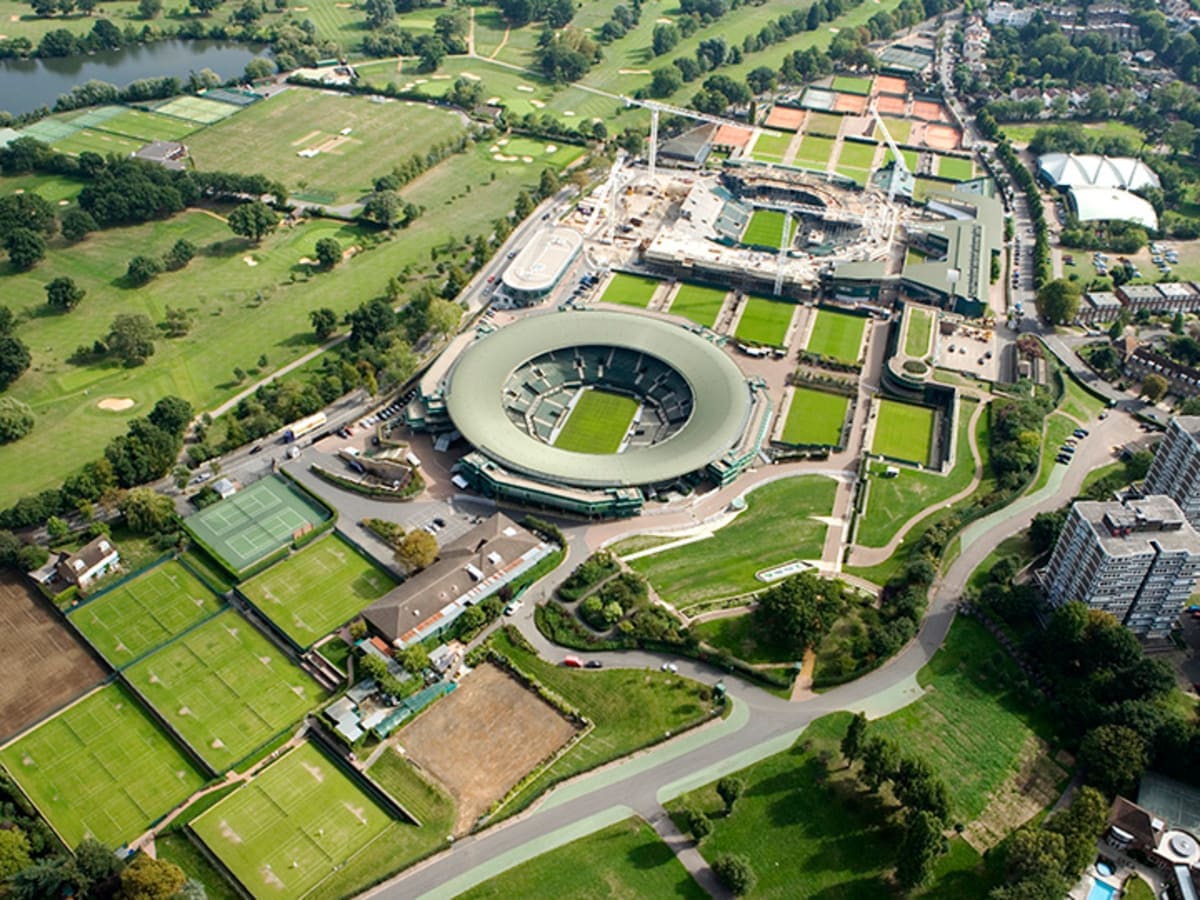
column 1103, row 868
column 1101, row 891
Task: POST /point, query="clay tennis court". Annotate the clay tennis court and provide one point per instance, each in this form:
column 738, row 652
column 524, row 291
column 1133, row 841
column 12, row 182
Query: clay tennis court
column 942, row 137
column 888, row 84
column 484, row 738
column 850, row 103
column 930, row 111
column 891, row 106
column 785, row 118
column 42, row 664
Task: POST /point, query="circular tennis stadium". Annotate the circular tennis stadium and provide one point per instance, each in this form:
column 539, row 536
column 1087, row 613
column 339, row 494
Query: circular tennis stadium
column 599, row 400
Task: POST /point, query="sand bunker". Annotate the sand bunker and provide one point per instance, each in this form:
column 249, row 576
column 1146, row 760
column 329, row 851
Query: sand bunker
column 115, row 404
column 537, row 104
column 633, row 71
column 503, row 157
column 250, row 261
column 524, row 88
column 526, row 159
column 491, row 101
column 551, row 148
column 471, row 76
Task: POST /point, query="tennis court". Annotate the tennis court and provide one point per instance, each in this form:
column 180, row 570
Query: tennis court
column 700, row 304
column 225, row 688
column 904, row 431
column 785, row 118
column 765, row 321
column 87, row 139
column 823, row 123
column 765, row 229
column 97, row 116
column 139, row 615
column 145, row 126
column 771, row 146
column 852, row 84
column 955, row 168
column 815, row 418
column 255, row 522
column 197, row 109
column 815, row 150
column 630, row 290
column 857, row 155
column 101, row 767
column 293, row 825
column 314, row 591
column 837, row 335
column 49, row 130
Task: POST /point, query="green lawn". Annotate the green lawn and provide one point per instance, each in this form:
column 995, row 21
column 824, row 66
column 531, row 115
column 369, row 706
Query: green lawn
column 827, row 124
column 918, row 332
column 177, row 847
column 100, row 142
column 739, row 636
column 815, row 417
column 1022, row 133
column 858, row 176
column 893, row 501
column 776, row 528
column 523, row 151
column 101, row 767
column 140, row 615
column 911, row 158
column 147, row 126
column 293, row 825
column 630, row 290
column 765, row 321
column 628, row 859
column 955, row 168
column 700, row 304
column 815, row 149
column 630, row 709
column 857, row 155
column 771, row 145
column 54, row 188
column 837, row 335
column 597, row 423
column 314, row 591
column 899, row 129
column 1077, row 402
column 851, row 84
column 765, row 229
column 904, row 431
column 1058, row 429
column 225, row 688
column 269, row 135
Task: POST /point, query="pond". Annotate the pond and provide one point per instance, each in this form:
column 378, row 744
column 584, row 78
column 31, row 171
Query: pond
column 26, row 84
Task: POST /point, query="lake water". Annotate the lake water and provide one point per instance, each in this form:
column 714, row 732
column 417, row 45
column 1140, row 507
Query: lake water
column 26, row 84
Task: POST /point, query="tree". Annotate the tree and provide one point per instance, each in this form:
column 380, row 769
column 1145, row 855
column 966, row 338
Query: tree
column 734, row 871
column 379, row 12
column 664, row 39
column 253, row 220
column 415, row 659
column 1058, row 301
column 76, row 224
column 1033, row 853
column 762, row 79
column 880, row 760
column 1177, row 323
column 698, row 825
column 430, row 51
column 142, row 270
column 172, row 414
column 150, row 879
column 665, row 81
column 383, row 208
column 922, row 844
column 799, row 610
column 95, row 863
column 329, row 252
column 1154, row 387
column 1045, row 528
column 181, row 253
column 148, row 512
column 25, row 248
column 259, row 67
column 417, row 549
column 1113, row 757
column 8, row 321
column 14, row 359
column 324, row 322
column 729, row 789
column 16, row 420
column 443, row 317
column 852, row 741
column 62, row 293
column 131, row 338
column 14, row 852
column 149, row 9
column 1180, row 136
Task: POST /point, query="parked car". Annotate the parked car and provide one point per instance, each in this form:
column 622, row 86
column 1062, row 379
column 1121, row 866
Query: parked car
column 573, row 662
column 594, row 664
column 513, row 606
column 670, row 667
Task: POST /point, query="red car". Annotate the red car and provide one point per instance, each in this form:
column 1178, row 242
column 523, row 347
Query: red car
column 573, row 662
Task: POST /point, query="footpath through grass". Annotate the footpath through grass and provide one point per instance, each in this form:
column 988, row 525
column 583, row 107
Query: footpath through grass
column 776, row 528
column 904, row 431
column 837, row 335
column 623, row 860
column 597, row 423
column 765, row 321
column 815, row 417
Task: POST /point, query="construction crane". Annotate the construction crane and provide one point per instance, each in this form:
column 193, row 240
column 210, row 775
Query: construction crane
column 785, row 241
column 900, row 163
column 657, row 109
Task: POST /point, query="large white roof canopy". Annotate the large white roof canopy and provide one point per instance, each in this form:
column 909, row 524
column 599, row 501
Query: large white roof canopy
column 1097, row 204
column 1086, row 170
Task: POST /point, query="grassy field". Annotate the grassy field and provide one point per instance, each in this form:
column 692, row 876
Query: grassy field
column 523, row 151
column 904, row 431
column 628, row 859
column 700, row 304
column 1058, row 429
column 771, row 146
column 776, row 528
column 919, row 332
column 857, row 155
column 765, row 321
column 147, row 126
column 292, row 826
column 827, row 124
column 630, row 290
column 301, row 119
column 140, row 615
column 314, row 591
column 597, row 423
column 1077, row 402
column 765, row 229
column 177, row 847
column 837, row 335
column 630, row 708
column 225, row 688
column 51, row 187
column 97, row 142
column 815, row 417
column 893, row 501
column 814, row 150
column 101, row 767
column 899, row 129
column 1022, row 133
column 740, row 637
column 955, row 168
column 911, row 158
column 851, row 84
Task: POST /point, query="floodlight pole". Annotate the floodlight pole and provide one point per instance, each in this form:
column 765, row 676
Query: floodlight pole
column 653, row 140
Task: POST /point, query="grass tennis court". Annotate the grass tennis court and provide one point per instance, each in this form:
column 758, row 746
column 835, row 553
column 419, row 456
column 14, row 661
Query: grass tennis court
column 899, row 129
column 955, row 168
column 225, row 688
column 765, row 321
column 597, row 423
column 858, row 176
column 815, row 417
column 49, row 130
column 700, row 304
column 904, row 431
column 197, row 109
column 255, row 522
column 815, row 149
column 837, row 335
column 97, row 142
column 823, row 123
column 140, row 615
column 314, row 591
column 146, row 126
column 765, row 229
column 851, row 84
column 857, row 155
column 771, row 145
column 630, row 290
column 101, row 767
column 293, row 825
column 918, row 332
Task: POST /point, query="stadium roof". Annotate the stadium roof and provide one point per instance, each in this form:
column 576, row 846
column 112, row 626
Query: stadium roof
column 542, row 261
column 720, row 398
column 1095, row 204
column 1071, row 170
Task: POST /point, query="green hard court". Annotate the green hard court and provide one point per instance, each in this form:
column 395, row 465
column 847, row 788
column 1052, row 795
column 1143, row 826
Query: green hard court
column 837, row 335
column 225, row 688
column 630, row 290
column 597, row 423
column 314, row 591
column 144, row 613
column 904, row 431
column 293, row 825
column 700, row 304
column 255, row 522
column 815, row 417
column 101, row 767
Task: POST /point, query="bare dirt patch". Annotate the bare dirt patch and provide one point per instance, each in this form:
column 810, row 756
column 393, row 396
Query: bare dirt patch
column 42, row 665
column 115, row 404
column 483, row 739
column 1032, row 788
